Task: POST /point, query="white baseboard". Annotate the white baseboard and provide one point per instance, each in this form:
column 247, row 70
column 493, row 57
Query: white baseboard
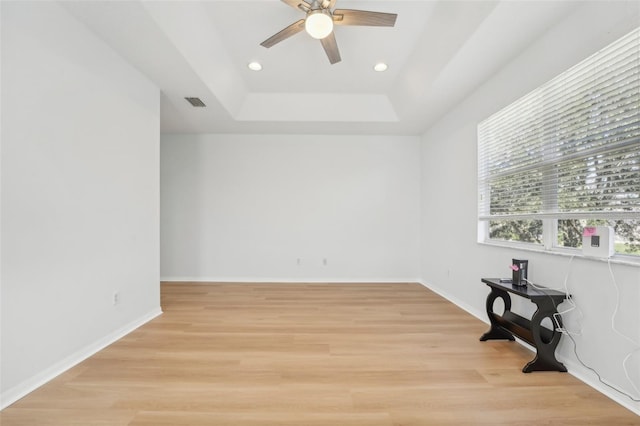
column 288, row 280
column 10, row 396
column 574, row 368
column 586, row 376
column 482, row 316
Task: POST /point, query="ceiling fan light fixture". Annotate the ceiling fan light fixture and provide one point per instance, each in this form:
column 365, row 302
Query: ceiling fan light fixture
column 318, row 24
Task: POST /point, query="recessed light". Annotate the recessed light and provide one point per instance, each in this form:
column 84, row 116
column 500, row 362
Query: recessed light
column 254, row 66
column 380, row 67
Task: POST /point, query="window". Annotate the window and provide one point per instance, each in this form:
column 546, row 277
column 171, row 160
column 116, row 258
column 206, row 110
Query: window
column 567, row 155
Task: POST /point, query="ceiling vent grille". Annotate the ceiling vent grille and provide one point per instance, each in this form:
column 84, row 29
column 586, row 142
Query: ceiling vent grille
column 195, row 102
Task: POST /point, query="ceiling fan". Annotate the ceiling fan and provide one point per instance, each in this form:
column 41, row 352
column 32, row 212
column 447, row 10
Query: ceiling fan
column 320, row 19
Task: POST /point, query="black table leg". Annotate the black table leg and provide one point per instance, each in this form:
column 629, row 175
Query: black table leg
column 496, row 332
column 545, row 359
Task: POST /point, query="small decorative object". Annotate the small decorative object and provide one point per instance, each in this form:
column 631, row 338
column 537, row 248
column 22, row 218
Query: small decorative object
column 519, row 269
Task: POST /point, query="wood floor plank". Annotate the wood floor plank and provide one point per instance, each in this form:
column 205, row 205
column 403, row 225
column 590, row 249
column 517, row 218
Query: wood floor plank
column 311, row 354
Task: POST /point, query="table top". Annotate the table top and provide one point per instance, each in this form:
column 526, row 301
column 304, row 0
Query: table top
column 527, row 291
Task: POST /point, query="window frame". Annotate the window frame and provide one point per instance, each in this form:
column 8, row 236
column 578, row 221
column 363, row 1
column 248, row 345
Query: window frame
column 549, row 244
column 549, row 180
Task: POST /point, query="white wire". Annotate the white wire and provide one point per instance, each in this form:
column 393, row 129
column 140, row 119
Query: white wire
column 557, row 316
column 569, row 300
column 613, row 326
column 563, row 330
column 615, row 311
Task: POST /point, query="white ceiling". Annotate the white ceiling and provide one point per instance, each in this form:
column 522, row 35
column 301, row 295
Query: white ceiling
column 438, row 52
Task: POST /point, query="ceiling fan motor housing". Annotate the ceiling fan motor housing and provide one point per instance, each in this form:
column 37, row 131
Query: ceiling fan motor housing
column 319, row 23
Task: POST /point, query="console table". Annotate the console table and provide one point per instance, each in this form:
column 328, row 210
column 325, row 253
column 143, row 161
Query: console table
column 508, row 324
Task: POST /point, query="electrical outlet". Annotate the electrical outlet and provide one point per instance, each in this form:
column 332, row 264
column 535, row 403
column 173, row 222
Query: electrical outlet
column 298, row 262
column 116, row 298
column 324, row 261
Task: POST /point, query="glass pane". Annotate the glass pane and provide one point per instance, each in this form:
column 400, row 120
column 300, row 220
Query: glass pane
column 526, row 231
column 626, row 240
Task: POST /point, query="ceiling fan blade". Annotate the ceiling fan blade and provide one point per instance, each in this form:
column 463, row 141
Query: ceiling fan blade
column 298, row 4
column 328, row 4
column 292, row 29
column 331, row 48
column 363, row 17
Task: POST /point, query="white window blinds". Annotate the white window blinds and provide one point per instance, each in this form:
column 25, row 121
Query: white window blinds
column 571, row 148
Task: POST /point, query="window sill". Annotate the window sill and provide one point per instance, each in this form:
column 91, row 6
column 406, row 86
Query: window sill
column 620, row 259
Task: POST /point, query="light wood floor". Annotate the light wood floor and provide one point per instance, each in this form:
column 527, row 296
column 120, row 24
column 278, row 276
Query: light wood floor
column 311, row 354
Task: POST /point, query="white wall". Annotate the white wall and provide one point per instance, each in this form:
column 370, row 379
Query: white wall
column 456, row 263
column 246, row 207
column 80, row 196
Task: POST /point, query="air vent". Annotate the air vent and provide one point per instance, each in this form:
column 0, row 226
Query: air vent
column 196, row 102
